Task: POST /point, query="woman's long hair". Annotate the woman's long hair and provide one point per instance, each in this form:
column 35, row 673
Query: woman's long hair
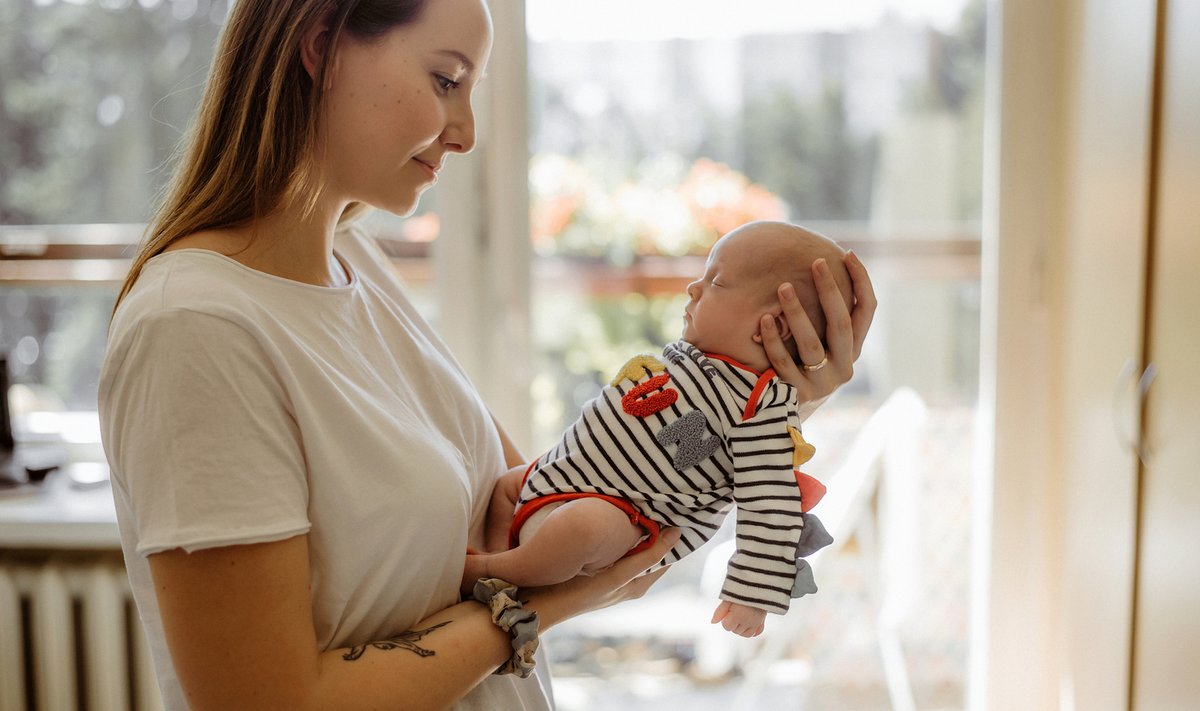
column 252, row 143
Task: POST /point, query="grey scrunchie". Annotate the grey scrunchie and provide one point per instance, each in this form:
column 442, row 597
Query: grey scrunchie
column 510, row 616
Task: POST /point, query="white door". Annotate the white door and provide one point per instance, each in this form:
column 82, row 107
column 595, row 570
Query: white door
column 1167, row 614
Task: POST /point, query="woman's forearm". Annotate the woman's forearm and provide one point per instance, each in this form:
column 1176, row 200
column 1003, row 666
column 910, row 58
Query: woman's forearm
column 239, row 624
column 431, row 666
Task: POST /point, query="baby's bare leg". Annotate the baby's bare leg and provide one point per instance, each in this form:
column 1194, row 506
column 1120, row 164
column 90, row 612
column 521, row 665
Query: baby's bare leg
column 579, row 537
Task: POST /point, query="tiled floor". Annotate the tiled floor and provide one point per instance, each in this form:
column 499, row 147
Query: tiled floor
column 832, row 660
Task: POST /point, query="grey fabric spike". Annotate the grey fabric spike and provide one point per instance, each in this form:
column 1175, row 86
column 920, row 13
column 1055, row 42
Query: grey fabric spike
column 813, row 538
column 804, row 583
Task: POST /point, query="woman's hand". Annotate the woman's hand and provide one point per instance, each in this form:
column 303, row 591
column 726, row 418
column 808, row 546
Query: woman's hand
column 623, row 580
column 845, row 331
column 501, row 509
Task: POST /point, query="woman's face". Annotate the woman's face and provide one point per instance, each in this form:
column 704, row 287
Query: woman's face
column 397, row 104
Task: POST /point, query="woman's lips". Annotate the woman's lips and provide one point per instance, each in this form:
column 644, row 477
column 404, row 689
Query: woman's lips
column 432, row 171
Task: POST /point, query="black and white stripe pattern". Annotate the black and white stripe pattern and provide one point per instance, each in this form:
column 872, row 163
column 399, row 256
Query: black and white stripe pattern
column 610, row 452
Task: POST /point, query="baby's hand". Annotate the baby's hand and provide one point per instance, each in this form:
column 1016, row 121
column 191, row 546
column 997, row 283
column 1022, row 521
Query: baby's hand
column 740, row 619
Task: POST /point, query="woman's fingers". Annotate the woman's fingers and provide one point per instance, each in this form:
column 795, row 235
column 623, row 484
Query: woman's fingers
column 808, row 341
column 638, row 586
column 777, row 352
column 839, row 333
column 633, row 566
column 864, row 301
column 627, row 578
column 624, row 580
column 824, row 367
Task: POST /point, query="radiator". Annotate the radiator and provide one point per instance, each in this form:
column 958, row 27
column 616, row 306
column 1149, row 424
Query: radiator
column 70, row 638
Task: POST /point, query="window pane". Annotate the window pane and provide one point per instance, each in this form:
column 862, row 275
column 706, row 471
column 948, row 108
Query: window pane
column 95, row 95
column 52, row 335
column 649, row 141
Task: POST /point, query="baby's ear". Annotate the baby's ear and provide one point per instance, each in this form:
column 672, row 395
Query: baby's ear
column 781, row 325
column 784, row 328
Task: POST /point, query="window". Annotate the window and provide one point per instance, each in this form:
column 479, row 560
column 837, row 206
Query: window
column 94, row 97
column 648, row 141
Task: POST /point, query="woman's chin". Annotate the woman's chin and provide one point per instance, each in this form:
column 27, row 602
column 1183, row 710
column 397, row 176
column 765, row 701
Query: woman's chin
column 401, row 208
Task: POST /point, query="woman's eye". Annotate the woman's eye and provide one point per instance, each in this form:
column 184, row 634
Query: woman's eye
column 445, row 83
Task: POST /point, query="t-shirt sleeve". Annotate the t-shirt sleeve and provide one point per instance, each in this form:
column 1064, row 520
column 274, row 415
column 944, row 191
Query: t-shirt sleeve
column 200, row 435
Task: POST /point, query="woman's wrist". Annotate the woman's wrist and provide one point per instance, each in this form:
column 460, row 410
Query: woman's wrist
column 807, row 408
column 548, row 606
column 519, row 622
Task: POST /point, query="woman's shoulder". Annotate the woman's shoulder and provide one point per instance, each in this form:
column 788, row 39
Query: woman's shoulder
column 195, row 280
column 220, row 241
column 184, row 278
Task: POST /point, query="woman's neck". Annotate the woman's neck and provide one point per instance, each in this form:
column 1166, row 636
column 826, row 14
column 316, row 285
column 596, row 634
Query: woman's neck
column 282, row 244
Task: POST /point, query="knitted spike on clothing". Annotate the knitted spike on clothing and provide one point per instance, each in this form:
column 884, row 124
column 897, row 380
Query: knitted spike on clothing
column 813, row 538
column 803, row 450
column 811, row 491
column 637, row 368
column 804, row 582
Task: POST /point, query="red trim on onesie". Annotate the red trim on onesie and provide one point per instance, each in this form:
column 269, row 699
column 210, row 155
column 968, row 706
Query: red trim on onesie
column 764, row 379
column 635, row 517
column 752, row 404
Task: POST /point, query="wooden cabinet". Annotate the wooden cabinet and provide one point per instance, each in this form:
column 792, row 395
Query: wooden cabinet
column 1093, row 535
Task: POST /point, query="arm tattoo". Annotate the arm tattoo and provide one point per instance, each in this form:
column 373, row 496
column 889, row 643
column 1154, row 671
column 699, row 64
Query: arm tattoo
column 404, row 640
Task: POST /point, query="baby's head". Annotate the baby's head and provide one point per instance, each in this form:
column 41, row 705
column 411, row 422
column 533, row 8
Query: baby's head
column 740, row 283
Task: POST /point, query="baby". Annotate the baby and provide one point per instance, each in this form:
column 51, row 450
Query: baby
column 677, row 440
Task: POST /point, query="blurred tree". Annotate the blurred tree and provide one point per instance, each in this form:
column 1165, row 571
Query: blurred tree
column 91, row 103
column 805, row 153
column 955, row 86
column 93, row 98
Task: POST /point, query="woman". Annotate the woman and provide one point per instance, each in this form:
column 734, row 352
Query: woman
column 298, row 463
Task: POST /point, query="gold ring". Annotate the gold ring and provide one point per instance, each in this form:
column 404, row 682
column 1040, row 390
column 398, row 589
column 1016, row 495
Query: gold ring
column 818, row 366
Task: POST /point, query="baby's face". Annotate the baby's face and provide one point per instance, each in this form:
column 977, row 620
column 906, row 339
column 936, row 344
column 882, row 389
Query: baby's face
column 741, row 282
column 725, row 304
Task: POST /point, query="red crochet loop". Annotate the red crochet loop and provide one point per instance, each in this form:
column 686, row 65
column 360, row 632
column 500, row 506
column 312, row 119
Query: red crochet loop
column 632, row 404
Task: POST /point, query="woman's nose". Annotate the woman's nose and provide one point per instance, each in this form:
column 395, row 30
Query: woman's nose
column 459, row 135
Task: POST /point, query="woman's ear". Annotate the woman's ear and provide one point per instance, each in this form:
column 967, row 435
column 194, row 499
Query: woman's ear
column 314, row 44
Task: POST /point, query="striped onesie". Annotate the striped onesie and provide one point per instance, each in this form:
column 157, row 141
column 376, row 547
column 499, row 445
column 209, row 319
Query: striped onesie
column 678, row 441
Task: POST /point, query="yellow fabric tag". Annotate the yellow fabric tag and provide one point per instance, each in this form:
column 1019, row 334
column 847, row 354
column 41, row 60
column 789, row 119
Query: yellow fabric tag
column 635, row 368
column 803, row 451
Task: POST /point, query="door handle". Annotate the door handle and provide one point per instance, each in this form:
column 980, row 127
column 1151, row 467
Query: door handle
column 1145, row 382
column 1125, row 408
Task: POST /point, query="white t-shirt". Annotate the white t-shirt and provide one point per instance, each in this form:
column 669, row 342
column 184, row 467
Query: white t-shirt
column 239, row 407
